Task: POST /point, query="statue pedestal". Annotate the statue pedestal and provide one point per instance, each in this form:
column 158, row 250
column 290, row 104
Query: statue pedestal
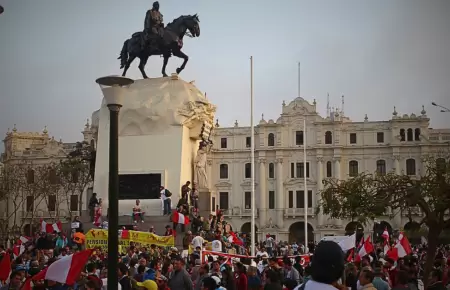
column 205, row 203
column 160, row 126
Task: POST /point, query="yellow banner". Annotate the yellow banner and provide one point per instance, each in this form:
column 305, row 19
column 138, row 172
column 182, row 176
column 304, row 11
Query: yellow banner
column 147, row 239
column 96, row 238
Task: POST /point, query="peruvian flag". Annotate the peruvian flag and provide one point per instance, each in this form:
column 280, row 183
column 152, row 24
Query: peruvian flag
column 65, row 270
column 50, row 228
column 233, row 239
column 5, row 267
column 366, row 249
column 385, row 234
column 180, row 218
column 386, row 245
column 403, row 247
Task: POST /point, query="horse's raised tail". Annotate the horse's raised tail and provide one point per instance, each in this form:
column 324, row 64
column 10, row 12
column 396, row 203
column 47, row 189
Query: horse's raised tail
column 124, row 54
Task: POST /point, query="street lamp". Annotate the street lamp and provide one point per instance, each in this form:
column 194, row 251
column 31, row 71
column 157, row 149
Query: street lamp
column 114, row 89
column 443, row 109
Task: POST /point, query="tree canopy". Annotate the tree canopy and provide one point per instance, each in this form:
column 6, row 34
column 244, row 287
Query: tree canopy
column 367, row 196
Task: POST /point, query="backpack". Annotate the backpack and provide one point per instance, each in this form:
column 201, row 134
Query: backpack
column 168, row 193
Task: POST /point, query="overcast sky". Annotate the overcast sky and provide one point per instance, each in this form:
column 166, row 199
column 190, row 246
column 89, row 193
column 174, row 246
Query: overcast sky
column 377, row 53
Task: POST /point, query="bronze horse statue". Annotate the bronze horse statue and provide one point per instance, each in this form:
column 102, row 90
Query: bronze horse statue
column 170, row 43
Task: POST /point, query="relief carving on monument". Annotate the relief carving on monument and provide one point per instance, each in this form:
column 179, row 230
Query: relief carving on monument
column 200, row 162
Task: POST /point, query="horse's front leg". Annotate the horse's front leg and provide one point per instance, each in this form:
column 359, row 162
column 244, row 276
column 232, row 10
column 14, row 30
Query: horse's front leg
column 180, row 54
column 127, row 65
column 142, row 64
column 166, row 56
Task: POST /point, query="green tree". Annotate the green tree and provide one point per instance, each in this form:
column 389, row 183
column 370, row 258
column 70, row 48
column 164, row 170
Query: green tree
column 367, row 196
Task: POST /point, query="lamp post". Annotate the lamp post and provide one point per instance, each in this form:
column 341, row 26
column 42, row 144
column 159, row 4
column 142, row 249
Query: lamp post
column 114, row 89
column 443, row 109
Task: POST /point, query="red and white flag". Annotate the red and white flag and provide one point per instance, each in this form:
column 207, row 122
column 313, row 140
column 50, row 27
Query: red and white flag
column 386, row 244
column 5, row 268
column 50, row 228
column 235, row 240
column 385, row 234
column 180, row 218
column 65, row 270
column 403, row 246
column 366, row 249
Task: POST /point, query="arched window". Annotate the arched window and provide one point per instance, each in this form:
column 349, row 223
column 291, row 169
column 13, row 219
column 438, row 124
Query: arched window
column 329, row 169
column 271, row 140
column 353, row 168
column 409, row 134
column 223, row 171
column 410, row 167
column 417, row 134
column 402, row 134
column 30, row 176
column 248, row 170
column 328, row 137
column 271, row 170
column 381, row 167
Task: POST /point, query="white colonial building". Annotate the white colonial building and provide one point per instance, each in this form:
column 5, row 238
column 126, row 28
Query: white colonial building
column 19, row 209
column 336, row 147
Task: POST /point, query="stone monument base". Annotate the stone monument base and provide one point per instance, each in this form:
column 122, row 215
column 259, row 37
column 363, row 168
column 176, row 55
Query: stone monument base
column 204, row 203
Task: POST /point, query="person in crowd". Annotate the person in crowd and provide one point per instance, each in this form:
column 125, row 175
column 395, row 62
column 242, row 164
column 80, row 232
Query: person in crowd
column 93, row 202
column 241, row 276
column 137, row 213
column 202, row 274
column 179, row 277
column 366, row 277
column 435, row 282
column 290, row 273
column 166, row 200
column 98, row 214
column 228, row 281
column 378, row 282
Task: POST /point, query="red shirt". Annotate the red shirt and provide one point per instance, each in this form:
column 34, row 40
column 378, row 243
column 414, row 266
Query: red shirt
column 242, row 282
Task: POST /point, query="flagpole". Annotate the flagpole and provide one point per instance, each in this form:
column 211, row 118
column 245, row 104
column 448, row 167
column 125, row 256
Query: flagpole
column 305, row 195
column 252, row 157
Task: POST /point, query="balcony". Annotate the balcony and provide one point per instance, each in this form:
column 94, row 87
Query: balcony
column 297, row 212
column 239, row 212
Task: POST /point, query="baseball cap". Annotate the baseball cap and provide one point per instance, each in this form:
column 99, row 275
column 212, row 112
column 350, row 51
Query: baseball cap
column 148, row 284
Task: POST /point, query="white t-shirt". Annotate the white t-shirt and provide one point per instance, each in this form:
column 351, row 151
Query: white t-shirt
column 198, row 242
column 269, row 242
column 163, row 194
column 262, row 254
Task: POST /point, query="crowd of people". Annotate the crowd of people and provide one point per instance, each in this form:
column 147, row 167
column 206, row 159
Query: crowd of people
column 227, row 265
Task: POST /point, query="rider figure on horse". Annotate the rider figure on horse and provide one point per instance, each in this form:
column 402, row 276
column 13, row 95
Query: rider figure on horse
column 153, row 26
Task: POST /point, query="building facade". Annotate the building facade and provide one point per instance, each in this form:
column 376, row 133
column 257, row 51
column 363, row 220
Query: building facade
column 335, row 147
column 23, row 208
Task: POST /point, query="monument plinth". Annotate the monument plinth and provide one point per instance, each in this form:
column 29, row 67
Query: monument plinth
column 162, row 124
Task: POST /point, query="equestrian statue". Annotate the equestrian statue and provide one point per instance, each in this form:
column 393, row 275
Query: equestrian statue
column 157, row 40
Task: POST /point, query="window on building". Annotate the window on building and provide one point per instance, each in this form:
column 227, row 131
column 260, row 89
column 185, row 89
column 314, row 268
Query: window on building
column 300, row 196
column 292, row 170
column 409, row 134
column 30, row 203
column 271, row 139
column 248, row 142
column 299, row 138
column 223, row 171
column 301, row 170
column 328, row 137
column 441, row 165
column 329, row 169
column 410, row 166
column 247, row 200
column 380, row 137
column 417, row 134
column 381, row 167
column 223, row 200
column 353, row 168
column 248, row 170
column 290, row 199
column 352, row 138
column 74, row 202
column 30, row 176
column 75, row 176
column 52, row 202
column 402, row 135
column 223, row 143
column 271, row 170
column 213, row 202
column 53, row 179
column 271, row 199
